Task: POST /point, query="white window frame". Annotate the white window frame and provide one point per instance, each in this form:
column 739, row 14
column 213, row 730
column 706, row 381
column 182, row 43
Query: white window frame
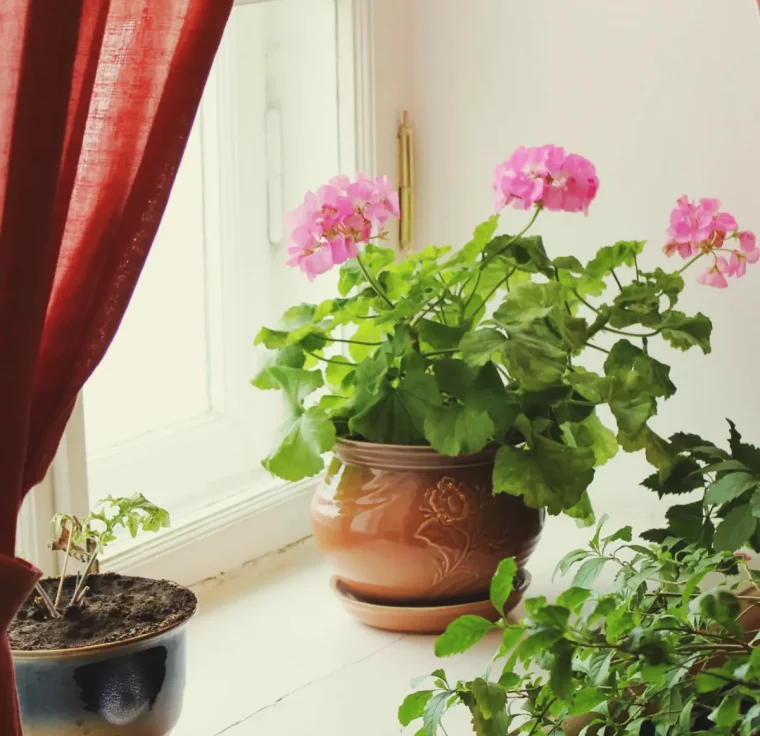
column 254, row 519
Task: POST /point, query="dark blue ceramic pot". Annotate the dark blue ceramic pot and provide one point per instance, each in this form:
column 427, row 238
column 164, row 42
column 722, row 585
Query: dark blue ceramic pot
column 130, row 688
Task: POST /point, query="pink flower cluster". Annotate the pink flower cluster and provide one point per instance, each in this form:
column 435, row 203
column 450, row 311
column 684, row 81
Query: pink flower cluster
column 547, row 177
column 328, row 227
column 700, row 228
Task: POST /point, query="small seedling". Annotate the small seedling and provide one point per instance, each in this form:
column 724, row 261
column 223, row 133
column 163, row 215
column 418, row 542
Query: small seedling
column 86, row 539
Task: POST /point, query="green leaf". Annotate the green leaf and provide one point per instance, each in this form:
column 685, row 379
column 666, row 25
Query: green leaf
column 729, row 487
column 570, row 559
column 726, row 714
column 337, row 370
column 637, row 380
column 291, row 356
column 573, row 598
column 622, row 253
column 455, row 429
column 479, row 347
column 434, row 710
column 368, row 332
column 509, row 680
column 413, row 706
column 735, row 529
column 625, row 533
column 561, row 673
column 547, row 474
column 592, row 433
column 528, row 302
column 439, row 336
column 534, row 357
column 462, row 634
column 687, row 520
column 582, row 511
column 538, row 642
column 397, row 414
column 511, row 636
column 569, row 263
column 684, row 332
column 591, row 386
column 490, row 697
column 586, row 700
column 301, row 440
column 503, row 583
column 723, row 607
column 304, row 434
column 744, row 453
column 706, row 682
column 588, row 572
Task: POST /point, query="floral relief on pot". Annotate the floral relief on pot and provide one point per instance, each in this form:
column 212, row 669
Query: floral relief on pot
column 457, row 526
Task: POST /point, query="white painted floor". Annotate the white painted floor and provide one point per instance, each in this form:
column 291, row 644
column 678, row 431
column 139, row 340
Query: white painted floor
column 272, row 653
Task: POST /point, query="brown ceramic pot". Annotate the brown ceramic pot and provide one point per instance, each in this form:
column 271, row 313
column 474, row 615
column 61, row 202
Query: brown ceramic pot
column 405, row 525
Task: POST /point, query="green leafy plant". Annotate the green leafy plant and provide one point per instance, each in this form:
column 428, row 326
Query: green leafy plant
column 661, row 652
column 85, row 540
column 727, row 517
column 478, row 347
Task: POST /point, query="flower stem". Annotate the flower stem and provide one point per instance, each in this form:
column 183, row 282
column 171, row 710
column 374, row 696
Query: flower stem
column 693, row 260
column 511, row 240
column 373, row 283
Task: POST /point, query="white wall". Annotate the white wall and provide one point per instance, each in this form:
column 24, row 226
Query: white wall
column 664, row 97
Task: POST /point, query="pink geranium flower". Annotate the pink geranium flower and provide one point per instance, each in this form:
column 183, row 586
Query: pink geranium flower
column 737, row 262
column 327, row 229
column 743, row 556
column 545, row 176
column 715, row 275
column 698, row 228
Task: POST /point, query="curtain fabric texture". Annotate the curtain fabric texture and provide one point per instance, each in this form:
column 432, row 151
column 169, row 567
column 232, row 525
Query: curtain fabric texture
column 97, row 99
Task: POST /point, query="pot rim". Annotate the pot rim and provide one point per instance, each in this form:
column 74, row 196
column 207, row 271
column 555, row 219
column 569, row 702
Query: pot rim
column 427, row 449
column 111, row 647
column 407, row 457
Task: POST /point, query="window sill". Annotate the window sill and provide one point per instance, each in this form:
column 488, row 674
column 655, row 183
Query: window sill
column 272, row 652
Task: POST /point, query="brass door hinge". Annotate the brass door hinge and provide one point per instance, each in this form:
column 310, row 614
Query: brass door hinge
column 406, row 185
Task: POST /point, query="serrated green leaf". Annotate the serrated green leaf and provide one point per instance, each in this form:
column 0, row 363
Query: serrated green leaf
column 413, row 706
column 726, row 714
column 588, row 572
column 462, row 634
column 490, row 697
column 586, row 700
column 538, row 642
column 573, row 598
column 729, row 487
column 439, row 336
column 561, row 672
column 503, row 583
column 434, row 710
column 735, row 529
column 570, row 559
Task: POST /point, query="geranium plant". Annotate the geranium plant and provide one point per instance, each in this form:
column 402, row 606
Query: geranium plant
column 483, row 345
column 662, row 652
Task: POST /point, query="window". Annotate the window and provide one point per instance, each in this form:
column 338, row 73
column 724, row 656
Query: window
column 170, row 411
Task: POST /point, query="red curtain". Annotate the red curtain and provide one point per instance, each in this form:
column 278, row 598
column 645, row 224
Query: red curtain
column 97, row 99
